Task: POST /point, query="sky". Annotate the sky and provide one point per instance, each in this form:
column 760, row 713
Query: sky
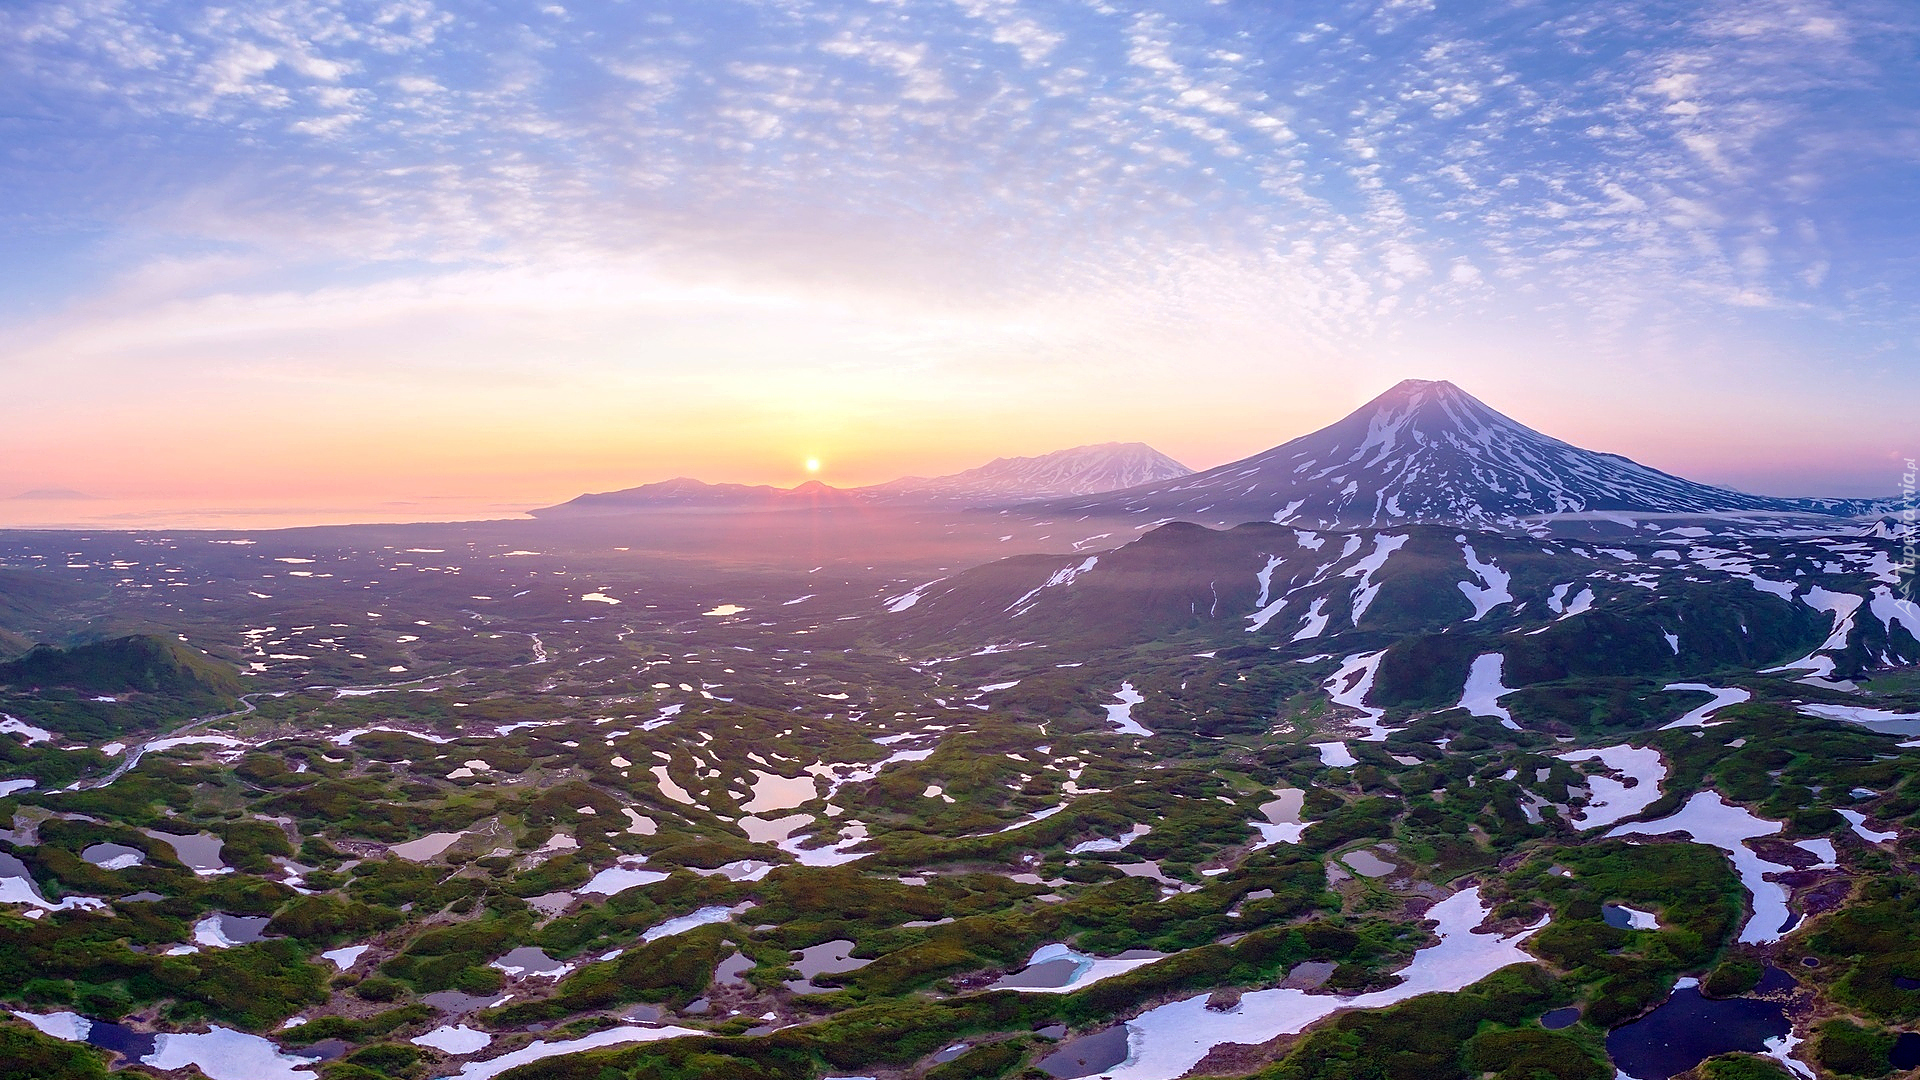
column 418, row 259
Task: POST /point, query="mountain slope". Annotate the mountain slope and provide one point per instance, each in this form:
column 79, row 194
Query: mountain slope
column 1414, row 607
column 1082, row 470
column 1428, row 452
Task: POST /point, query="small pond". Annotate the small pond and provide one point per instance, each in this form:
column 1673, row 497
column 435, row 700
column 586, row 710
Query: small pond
column 114, row 856
column 1561, row 1018
column 530, row 961
column 1366, row 862
column 1906, row 1050
column 223, row 931
column 455, row 1003
column 1622, row 917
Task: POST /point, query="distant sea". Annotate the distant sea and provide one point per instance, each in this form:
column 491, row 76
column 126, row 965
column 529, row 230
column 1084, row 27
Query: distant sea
column 211, row 514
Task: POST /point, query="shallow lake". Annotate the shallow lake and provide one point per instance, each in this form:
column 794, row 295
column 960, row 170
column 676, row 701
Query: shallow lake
column 1367, row 863
column 530, row 961
column 200, row 851
column 1088, row 1054
column 454, row 1003
column 733, row 970
column 1056, row 968
column 772, row 791
column 826, row 958
column 426, row 847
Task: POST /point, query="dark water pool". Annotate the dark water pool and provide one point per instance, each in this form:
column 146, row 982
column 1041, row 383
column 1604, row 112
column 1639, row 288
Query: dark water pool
column 128, row 1043
column 1906, row 1050
column 1561, row 1018
column 1688, row 1029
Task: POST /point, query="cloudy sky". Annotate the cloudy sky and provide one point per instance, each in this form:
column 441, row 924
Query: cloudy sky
column 366, row 254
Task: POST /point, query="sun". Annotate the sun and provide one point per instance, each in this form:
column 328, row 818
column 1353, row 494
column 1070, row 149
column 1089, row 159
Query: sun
column 813, row 464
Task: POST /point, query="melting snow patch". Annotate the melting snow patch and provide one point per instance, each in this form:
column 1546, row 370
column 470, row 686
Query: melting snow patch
column 539, row 1051
column 344, row 958
column 1063, row 576
column 1712, row 820
column 1612, row 799
column 13, row 725
column 1133, row 834
column 1492, row 592
column 454, row 1040
column 1859, row 822
column 1350, row 686
column 1483, row 691
column 1335, row 755
column 898, row 604
column 1698, row 718
column 1887, row 723
column 705, row 916
column 1366, row 590
column 1121, row 715
column 1314, row 623
column 1166, row 1042
column 1822, row 848
column 618, row 879
column 225, row 1054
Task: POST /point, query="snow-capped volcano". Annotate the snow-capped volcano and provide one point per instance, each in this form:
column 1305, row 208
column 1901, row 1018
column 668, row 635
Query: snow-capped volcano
column 1082, row 470
column 1429, row 452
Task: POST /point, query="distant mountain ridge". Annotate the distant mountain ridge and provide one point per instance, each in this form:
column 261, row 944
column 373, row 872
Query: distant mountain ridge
column 1427, row 451
column 1081, row 470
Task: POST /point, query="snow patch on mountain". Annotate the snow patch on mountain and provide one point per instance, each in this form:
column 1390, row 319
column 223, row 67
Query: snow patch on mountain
column 1363, row 593
column 1483, row 691
column 1492, row 590
column 898, row 604
column 1350, row 686
column 1063, row 576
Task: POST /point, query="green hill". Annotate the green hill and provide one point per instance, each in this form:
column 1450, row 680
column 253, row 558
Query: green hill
column 12, row 644
column 120, row 684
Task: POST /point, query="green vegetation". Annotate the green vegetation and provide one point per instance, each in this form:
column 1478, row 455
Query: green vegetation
column 1844, row 1048
column 556, row 740
column 26, row 1054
